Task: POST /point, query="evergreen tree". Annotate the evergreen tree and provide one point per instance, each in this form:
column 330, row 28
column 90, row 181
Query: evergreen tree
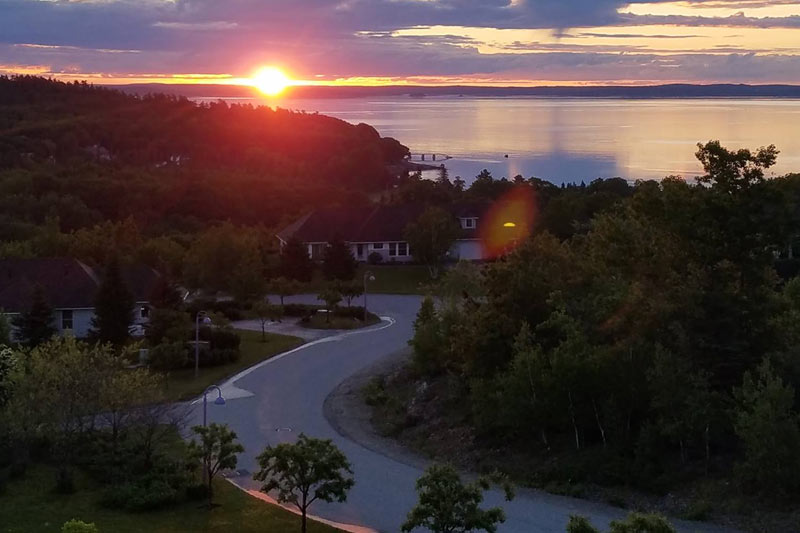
column 113, row 307
column 5, row 330
column 35, row 325
column 338, row 261
column 295, row 262
column 165, row 295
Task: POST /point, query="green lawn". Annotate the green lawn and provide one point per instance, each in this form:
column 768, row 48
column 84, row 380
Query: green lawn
column 389, row 279
column 182, row 385
column 29, row 505
column 396, row 279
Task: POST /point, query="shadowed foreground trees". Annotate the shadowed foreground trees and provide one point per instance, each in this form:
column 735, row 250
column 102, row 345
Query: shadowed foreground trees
column 113, row 313
column 216, row 449
column 35, row 325
column 638, row 343
column 446, row 505
column 304, row 472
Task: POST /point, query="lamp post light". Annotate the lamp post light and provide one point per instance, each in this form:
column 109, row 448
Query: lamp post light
column 201, row 315
column 368, row 276
column 219, row 401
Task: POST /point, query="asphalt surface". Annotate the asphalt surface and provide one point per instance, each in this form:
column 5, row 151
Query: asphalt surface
column 277, row 400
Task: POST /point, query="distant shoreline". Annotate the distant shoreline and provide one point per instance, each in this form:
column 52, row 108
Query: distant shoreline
column 642, row 92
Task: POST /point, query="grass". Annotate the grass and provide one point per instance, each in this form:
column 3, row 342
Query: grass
column 182, row 384
column 29, row 504
column 396, row 279
column 389, row 279
column 321, row 321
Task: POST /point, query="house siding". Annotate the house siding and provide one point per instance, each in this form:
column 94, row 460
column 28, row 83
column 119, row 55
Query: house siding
column 82, row 322
column 467, row 250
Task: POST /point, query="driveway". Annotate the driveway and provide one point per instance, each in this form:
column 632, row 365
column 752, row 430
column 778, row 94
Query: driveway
column 275, row 401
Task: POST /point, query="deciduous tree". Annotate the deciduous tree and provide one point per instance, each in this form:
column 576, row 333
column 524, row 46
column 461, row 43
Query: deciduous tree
column 431, row 236
column 284, row 287
column 304, row 472
column 217, row 449
column 447, row 505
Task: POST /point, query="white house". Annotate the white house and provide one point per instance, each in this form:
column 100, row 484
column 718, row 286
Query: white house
column 380, row 230
column 70, row 288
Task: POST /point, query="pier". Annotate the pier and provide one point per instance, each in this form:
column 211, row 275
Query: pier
column 427, row 157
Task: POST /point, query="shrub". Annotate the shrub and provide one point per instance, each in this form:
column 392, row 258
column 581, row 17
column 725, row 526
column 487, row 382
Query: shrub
column 168, row 325
column 217, row 357
column 349, row 312
column 150, row 496
column 375, row 258
column 300, row 310
column 197, row 491
column 78, row 526
column 580, row 524
column 169, row 356
column 375, row 391
column 231, row 309
column 220, row 338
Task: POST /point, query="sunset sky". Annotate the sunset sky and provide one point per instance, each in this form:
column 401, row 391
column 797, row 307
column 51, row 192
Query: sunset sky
column 365, row 42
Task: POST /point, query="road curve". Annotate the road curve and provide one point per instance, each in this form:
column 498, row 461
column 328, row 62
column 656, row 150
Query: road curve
column 276, row 400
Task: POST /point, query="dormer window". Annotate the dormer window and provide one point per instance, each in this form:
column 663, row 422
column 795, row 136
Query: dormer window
column 469, row 222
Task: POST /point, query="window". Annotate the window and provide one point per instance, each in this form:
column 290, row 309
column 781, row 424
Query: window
column 402, row 248
column 392, row 249
column 66, row 319
column 377, row 246
column 468, row 223
column 144, row 312
column 360, row 250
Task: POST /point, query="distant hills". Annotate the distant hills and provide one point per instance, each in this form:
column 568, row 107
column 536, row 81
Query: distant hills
column 677, row 90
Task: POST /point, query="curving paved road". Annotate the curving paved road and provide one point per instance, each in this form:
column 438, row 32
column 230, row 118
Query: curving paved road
column 276, row 400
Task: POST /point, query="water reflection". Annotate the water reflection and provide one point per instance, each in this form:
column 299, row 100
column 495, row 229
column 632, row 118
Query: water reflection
column 573, row 139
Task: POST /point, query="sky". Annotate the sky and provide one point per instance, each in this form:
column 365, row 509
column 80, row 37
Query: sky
column 427, row 42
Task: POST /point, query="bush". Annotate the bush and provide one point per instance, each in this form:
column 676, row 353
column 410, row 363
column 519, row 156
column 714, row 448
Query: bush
column 642, row 523
column 217, row 357
column 349, row 312
column 140, row 496
column 168, row 325
column 580, row 524
column 78, row 526
column 231, row 309
column 220, row 338
column 160, row 486
column 197, row 491
column 170, row 356
column 375, row 258
column 300, row 310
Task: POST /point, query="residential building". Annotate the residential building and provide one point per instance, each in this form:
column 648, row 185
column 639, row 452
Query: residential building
column 70, row 287
column 381, row 230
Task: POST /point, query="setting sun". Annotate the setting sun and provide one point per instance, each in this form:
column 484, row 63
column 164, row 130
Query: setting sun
column 271, row 81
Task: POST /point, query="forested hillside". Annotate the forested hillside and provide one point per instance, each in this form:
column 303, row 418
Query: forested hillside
column 652, row 344
column 83, row 154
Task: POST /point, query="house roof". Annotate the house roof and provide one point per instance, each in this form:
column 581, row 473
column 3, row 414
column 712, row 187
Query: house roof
column 382, row 223
column 68, row 283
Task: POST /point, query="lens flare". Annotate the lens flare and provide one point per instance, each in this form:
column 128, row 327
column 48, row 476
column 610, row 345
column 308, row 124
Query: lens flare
column 509, row 222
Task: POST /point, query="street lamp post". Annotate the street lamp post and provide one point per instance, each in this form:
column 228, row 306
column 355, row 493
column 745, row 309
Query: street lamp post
column 206, row 320
column 219, row 401
column 368, row 276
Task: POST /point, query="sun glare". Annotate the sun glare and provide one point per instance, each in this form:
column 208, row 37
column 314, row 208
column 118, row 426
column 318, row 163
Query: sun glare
column 271, row 81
